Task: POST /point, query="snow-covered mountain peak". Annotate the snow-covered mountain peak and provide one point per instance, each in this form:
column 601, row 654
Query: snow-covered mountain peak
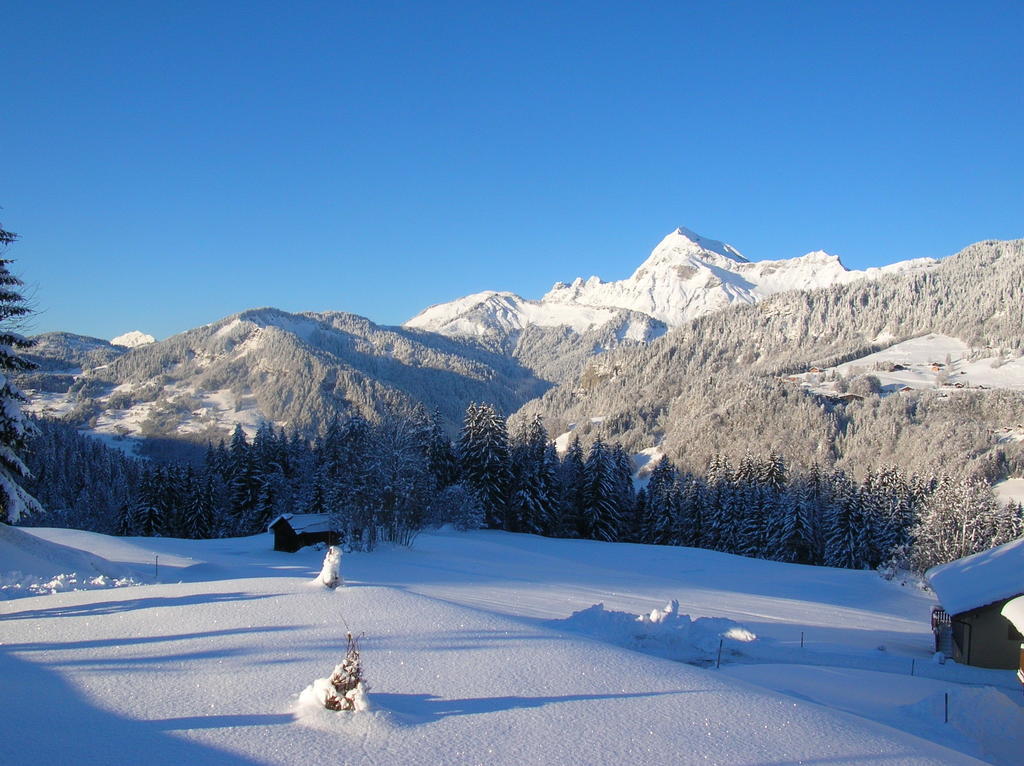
column 684, row 241
column 491, row 313
column 685, row 276
column 133, row 339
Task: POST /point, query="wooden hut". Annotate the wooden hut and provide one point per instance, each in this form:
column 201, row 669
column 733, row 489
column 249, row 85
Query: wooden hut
column 297, row 530
column 972, row 591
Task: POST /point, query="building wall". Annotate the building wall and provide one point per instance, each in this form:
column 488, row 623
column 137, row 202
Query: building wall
column 986, row 638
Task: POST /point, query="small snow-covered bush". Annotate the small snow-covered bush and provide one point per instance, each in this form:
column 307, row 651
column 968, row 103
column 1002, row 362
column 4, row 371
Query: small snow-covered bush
column 330, row 573
column 345, row 689
column 458, row 506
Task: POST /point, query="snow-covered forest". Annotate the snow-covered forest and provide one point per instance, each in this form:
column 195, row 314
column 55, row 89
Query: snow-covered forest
column 385, row 481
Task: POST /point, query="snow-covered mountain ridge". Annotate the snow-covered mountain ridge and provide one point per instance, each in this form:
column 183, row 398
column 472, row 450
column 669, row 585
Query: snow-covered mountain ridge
column 685, row 276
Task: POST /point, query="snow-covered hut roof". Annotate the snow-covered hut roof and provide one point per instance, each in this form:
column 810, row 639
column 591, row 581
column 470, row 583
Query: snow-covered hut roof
column 1014, row 612
column 304, row 522
column 981, row 579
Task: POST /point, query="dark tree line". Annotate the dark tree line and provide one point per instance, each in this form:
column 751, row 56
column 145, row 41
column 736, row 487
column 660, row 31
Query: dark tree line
column 384, row 481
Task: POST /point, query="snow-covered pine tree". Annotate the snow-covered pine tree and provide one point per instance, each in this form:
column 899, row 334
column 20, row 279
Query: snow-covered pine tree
column 625, row 494
column 15, row 426
column 841, row 523
column 550, row 482
column 793, row 535
column 602, row 517
column 572, row 480
column 483, row 452
column 690, row 523
column 753, row 504
column 639, row 518
column 146, row 519
column 716, row 505
column 440, row 453
column 243, row 483
column 662, row 507
column 198, row 515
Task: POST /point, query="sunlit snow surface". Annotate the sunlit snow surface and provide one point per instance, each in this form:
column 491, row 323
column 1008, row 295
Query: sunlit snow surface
column 472, row 656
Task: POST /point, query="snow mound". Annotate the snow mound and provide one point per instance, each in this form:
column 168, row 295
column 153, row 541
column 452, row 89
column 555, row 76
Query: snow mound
column 984, row 715
column 133, row 339
column 663, row 632
column 30, row 566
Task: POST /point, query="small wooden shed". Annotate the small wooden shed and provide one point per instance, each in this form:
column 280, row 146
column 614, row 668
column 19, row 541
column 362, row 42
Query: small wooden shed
column 297, row 530
column 972, row 592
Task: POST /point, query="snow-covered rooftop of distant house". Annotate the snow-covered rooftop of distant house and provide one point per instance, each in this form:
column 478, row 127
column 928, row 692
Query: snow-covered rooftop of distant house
column 1014, row 612
column 305, row 522
column 981, row 579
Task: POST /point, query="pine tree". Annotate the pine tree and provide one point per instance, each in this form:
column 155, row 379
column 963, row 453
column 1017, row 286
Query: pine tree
column 483, row 452
column 660, row 524
column 532, row 504
column 15, row 426
column 198, row 516
column 243, row 484
column 440, row 454
column 717, row 506
column 145, row 516
column 753, row 503
column 601, row 514
column 572, row 480
column 841, row 523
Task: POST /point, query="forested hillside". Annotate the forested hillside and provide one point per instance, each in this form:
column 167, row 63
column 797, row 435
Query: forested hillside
column 296, row 370
column 716, row 385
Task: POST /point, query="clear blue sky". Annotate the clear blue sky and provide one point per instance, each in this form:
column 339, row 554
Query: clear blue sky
column 168, row 164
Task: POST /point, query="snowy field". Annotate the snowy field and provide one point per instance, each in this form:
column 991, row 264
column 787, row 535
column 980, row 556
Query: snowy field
column 479, row 648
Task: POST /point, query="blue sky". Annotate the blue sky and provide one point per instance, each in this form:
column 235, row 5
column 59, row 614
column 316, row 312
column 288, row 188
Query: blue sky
column 168, row 164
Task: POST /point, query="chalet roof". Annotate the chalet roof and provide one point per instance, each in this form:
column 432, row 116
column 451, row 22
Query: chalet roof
column 304, row 522
column 1014, row 612
column 981, row 579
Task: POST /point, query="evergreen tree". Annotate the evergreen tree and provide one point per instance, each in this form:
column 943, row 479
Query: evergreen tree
column 145, row 518
column 483, row 452
column 15, row 427
column 660, row 524
column 533, row 504
column 243, row 484
column 440, row 454
column 198, row 516
column 841, row 547
column 572, row 480
column 753, row 499
column 601, row 513
column 718, row 506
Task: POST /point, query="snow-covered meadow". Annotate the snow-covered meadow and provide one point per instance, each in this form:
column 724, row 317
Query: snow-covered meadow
column 481, row 647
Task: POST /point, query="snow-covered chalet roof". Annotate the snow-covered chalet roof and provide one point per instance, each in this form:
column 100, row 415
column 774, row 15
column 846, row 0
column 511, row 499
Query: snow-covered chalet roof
column 1014, row 612
column 981, row 579
column 304, row 522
